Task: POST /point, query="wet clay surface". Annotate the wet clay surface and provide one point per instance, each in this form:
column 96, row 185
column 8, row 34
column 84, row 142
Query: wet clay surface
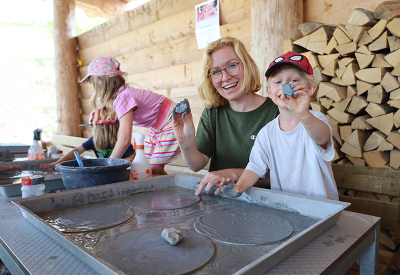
column 29, row 168
column 14, row 176
column 146, row 221
column 89, row 217
column 163, row 199
column 244, row 227
column 146, row 252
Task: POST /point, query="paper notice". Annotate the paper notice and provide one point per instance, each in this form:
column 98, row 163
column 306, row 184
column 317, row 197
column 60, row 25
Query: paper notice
column 207, row 23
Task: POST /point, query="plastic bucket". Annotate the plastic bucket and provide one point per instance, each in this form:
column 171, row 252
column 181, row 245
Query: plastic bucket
column 95, row 172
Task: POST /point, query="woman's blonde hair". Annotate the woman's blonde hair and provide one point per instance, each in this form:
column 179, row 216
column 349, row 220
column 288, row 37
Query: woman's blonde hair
column 251, row 82
column 105, row 91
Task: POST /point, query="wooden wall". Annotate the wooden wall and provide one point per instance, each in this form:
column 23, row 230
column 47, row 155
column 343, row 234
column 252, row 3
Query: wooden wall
column 156, row 43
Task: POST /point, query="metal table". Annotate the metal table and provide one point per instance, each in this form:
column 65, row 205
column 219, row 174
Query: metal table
column 25, row 249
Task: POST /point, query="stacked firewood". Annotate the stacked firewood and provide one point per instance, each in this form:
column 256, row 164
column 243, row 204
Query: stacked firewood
column 360, row 92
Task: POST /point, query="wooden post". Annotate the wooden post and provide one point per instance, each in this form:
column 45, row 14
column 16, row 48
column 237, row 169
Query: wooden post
column 67, row 88
column 272, row 22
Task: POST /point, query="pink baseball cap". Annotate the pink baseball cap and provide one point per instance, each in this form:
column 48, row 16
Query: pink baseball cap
column 291, row 58
column 100, row 121
column 103, row 65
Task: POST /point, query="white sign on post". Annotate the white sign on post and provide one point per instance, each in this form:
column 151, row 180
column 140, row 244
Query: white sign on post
column 207, row 23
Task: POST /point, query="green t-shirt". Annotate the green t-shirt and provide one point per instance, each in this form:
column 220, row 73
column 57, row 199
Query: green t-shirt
column 227, row 136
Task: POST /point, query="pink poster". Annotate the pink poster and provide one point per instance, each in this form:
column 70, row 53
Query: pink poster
column 207, row 23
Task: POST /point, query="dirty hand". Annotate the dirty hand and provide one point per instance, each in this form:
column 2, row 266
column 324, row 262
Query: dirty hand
column 9, row 167
column 47, row 165
column 215, row 178
column 183, row 126
column 299, row 103
column 231, row 189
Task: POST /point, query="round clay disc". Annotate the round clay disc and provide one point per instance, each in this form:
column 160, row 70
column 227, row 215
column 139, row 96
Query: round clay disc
column 243, row 227
column 163, row 199
column 146, row 252
column 88, row 217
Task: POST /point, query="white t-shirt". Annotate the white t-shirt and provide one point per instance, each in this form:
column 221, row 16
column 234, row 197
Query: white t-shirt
column 297, row 164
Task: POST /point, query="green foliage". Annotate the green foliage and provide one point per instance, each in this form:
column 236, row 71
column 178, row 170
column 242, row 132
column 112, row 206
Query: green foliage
column 30, row 78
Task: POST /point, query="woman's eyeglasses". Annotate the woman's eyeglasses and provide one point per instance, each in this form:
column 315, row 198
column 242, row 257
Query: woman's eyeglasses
column 232, row 69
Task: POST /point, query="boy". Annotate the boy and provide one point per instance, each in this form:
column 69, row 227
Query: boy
column 297, row 145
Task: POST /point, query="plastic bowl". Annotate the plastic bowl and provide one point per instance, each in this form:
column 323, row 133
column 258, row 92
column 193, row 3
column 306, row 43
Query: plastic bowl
column 95, row 172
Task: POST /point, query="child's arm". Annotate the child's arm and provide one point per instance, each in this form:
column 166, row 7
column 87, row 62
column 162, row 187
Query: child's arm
column 68, row 156
column 246, row 180
column 316, row 129
column 9, row 167
column 131, row 157
column 124, row 135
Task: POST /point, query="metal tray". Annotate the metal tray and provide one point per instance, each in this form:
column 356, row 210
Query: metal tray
column 258, row 258
column 10, row 181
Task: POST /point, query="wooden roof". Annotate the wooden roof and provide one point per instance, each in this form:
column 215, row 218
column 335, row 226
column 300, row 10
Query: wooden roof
column 104, row 8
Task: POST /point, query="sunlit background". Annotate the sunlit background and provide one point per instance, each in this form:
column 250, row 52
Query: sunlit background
column 28, row 95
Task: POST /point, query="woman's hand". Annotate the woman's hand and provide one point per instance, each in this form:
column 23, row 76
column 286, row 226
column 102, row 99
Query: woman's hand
column 218, row 179
column 230, row 189
column 183, row 125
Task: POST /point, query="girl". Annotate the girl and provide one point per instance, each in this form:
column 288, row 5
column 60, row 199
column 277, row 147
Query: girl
column 135, row 107
column 102, row 142
column 234, row 114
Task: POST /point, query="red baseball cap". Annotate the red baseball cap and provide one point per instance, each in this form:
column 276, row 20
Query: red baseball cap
column 291, row 58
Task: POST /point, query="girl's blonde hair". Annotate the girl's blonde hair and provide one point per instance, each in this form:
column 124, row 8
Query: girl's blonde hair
column 313, row 80
column 251, row 82
column 105, row 136
column 105, row 92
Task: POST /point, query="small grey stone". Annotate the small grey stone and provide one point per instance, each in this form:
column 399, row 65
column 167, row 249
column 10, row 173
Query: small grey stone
column 172, row 235
column 288, row 89
column 230, row 191
column 182, row 107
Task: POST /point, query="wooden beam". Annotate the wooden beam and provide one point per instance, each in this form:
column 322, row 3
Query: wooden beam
column 156, row 10
column 102, row 8
column 388, row 211
column 272, row 22
column 67, row 88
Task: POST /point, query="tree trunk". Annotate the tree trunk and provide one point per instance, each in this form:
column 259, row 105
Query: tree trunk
column 67, row 88
column 272, row 22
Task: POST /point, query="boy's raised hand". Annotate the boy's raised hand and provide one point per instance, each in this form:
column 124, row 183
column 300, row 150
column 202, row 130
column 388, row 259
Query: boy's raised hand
column 183, row 126
column 299, row 103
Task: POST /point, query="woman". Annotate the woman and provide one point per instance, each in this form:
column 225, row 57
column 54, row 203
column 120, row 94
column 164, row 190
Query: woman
column 234, row 114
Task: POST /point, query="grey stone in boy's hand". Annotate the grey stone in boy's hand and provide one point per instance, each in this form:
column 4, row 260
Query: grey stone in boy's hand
column 288, row 89
column 230, row 190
